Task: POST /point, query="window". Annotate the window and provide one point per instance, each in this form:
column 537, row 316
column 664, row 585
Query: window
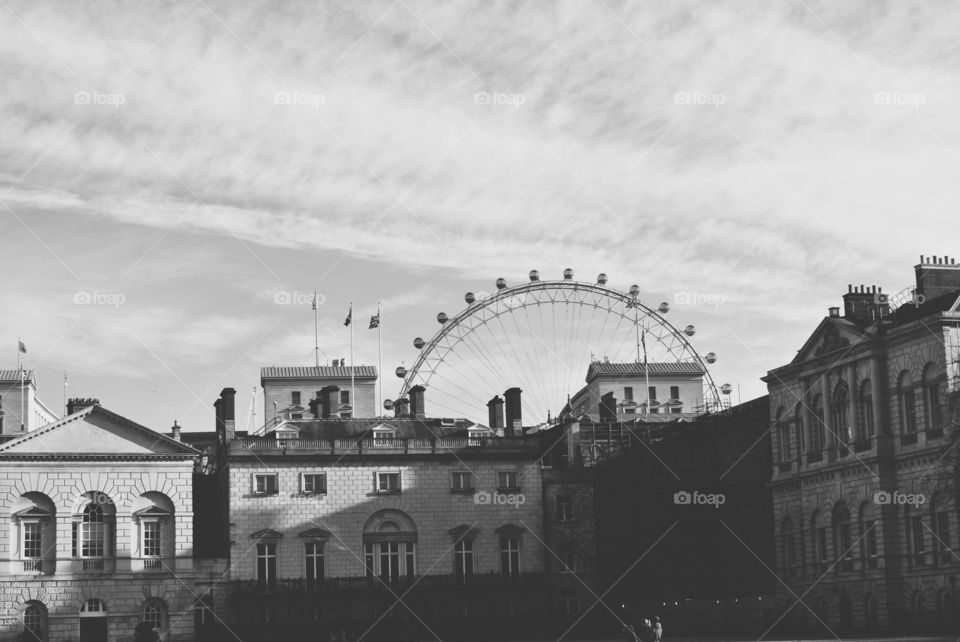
column 564, row 508
column 382, row 437
column 92, row 532
column 314, row 554
column 32, row 540
column 265, row 484
column 344, row 396
column 510, row 555
column 652, row 393
column 817, row 429
column 821, row 544
column 674, row 392
column 463, row 560
column 628, row 393
column 35, row 621
column 508, row 480
column 315, row 483
column 917, row 539
column 296, row 415
column 839, row 414
column 798, row 428
column 154, row 613
column 390, row 560
column 568, row 562
column 843, row 546
column 295, row 398
column 151, row 538
column 789, row 543
column 908, row 405
column 388, row 482
column 943, row 536
column 865, row 412
column 267, row 563
column 462, row 481
column 933, row 410
column 870, row 543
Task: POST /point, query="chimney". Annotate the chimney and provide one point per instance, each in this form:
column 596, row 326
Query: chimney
column 175, row 431
column 77, row 404
column 315, row 405
column 514, row 424
column 330, row 401
column 608, row 408
column 834, row 312
column 495, row 413
column 937, row 276
column 865, row 304
column 227, row 409
column 416, row 402
column 401, row 407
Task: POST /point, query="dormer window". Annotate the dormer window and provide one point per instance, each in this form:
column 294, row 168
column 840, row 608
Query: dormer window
column 382, row 437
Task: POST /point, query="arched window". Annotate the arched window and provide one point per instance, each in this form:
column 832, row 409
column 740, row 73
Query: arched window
column 93, row 531
column 865, row 429
column 817, row 429
column 35, row 621
column 940, row 524
column 783, row 436
column 908, row 404
column 389, row 543
column 34, row 521
column 932, row 399
column 821, row 552
column 840, row 414
column 155, row 614
column 869, row 535
column 842, row 538
column 155, row 522
column 798, row 428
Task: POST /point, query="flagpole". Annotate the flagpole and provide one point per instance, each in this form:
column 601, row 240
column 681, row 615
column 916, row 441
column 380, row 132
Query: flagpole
column 64, row 393
column 20, row 367
column 316, row 332
column 353, row 398
column 379, row 358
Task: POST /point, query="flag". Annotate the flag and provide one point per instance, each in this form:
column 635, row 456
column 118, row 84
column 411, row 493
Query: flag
column 349, row 316
column 374, row 321
column 66, row 381
column 314, row 300
column 23, row 348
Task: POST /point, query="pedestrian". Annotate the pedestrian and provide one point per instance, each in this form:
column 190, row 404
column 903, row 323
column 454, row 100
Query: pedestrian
column 646, row 630
column 657, row 629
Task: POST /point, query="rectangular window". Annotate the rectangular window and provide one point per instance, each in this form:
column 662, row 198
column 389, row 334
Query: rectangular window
column 510, row 556
column 463, row 560
column 368, row 560
column 508, row 480
column 344, row 396
column 568, row 562
column 843, row 547
column 919, row 544
column 943, row 537
column 822, row 544
column 674, row 392
column 791, row 551
column 389, row 561
column 628, row 393
column 410, row 559
column 870, row 543
column 267, row 563
column 462, row 481
column 32, row 535
column 909, row 411
column 315, row 483
column 295, row 398
column 564, row 508
column 314, row 553
column 388, row 482
column 296, row 415
column 92, row 535
column 151, row 539
column 652, row 393
column 265, row 484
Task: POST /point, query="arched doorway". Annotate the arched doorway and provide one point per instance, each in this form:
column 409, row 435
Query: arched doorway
column 93, row 621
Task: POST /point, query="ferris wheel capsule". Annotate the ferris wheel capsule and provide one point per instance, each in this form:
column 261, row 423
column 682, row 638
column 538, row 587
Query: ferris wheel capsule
column 400, row 372
column 469, row 297
column 534, row 275
column 664, row 307
column 634, row 290
column 689, row 330
column 726, row 388
column 567, row 274
column 388, row 404
column 501, row 283
column 418, row 343
column 711, row 357
column 442, row 318
column 601, row 279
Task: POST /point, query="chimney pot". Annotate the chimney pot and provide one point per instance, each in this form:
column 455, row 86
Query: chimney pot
column 834, row 311
column 175, row 430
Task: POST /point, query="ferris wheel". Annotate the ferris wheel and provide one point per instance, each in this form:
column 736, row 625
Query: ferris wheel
column 541, row 336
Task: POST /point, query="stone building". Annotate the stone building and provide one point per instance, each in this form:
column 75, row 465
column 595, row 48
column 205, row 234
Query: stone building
column 97, row 534
column 865, row 522
column 300, row 392
column 20, row 408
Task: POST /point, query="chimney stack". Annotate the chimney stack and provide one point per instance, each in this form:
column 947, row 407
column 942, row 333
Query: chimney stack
column 227, row 409
column 416, row 402
column 175, row 431
column 330, row 401
column 77, row 404
column 495, row 413
column 865, row 304
column 608, row 408
column 401, row 407
column 514, row 423
column 937, row 276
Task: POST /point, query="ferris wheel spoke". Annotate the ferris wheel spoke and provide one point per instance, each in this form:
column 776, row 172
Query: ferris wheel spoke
column 538, row 381
column 519, row 380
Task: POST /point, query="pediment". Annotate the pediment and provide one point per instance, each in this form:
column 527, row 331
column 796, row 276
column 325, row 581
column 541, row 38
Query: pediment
column 315, row 533
column 95, row 432
column 266, row 534
column 831, row 335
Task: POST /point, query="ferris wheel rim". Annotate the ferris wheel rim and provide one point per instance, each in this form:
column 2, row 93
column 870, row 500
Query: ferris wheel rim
column 557, row 284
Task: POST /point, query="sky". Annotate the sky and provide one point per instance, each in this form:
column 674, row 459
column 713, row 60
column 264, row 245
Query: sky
column 178, row 179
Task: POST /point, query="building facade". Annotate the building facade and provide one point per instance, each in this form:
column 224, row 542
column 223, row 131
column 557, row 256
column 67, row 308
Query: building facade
column 299, row 392
column 865, row 518
column 98, row 531
column 20, row 408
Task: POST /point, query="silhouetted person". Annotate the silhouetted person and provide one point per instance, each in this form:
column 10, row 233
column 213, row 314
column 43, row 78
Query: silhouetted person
column 657, row 629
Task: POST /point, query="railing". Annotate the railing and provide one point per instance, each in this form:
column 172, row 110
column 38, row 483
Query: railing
column 414, row 445
column 335, row 584
column 33, row 566
column 153, row 564
column 93, row 565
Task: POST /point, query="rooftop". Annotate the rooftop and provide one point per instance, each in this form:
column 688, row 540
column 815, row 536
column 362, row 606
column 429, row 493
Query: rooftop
column 679, row 368
column 315, row 372
column 13, row 376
